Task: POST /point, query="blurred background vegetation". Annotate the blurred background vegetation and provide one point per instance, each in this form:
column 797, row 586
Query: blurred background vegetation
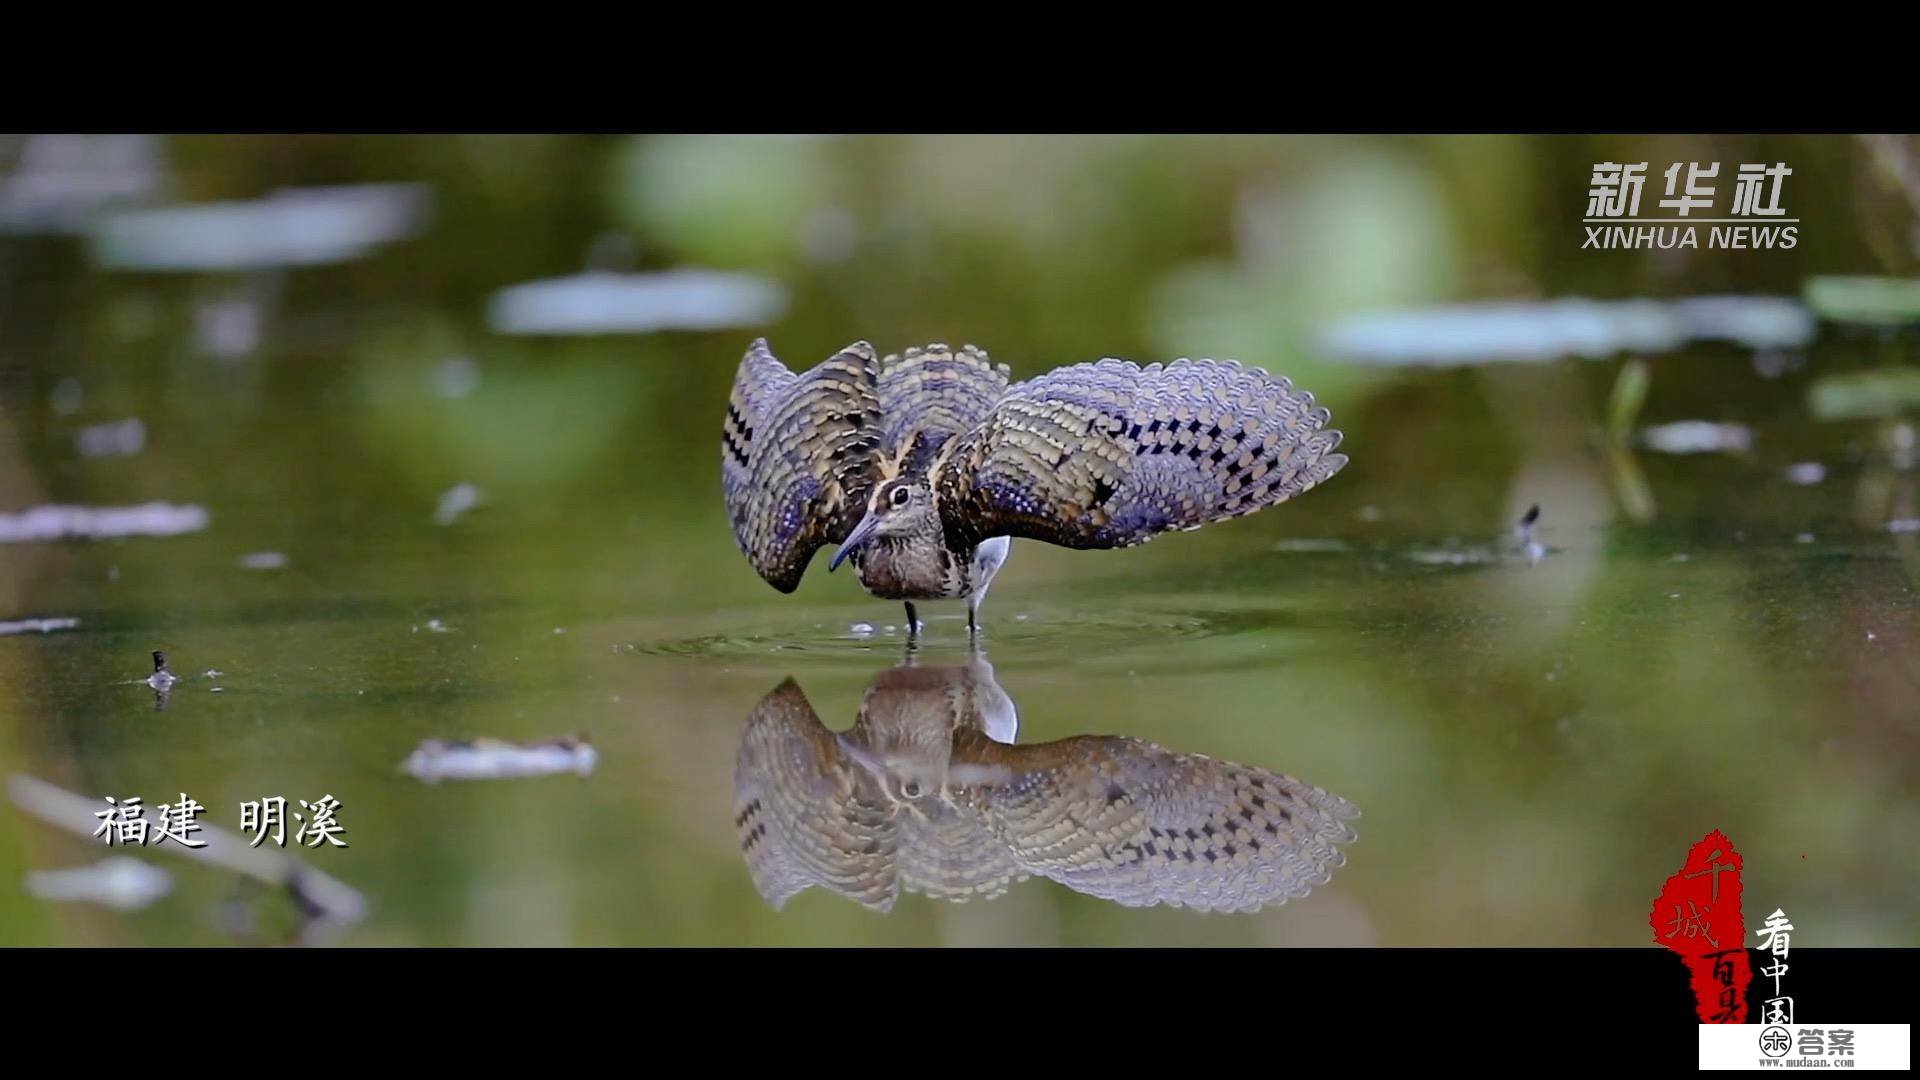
column 469, row 390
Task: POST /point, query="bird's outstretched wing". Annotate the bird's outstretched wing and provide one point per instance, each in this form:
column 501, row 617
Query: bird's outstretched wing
column 1110, row 454
column 806, row 815
column 799, row 456
column 1137, row 824
column 930, row 395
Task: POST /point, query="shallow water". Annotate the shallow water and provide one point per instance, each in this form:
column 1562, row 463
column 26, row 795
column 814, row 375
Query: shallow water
column 1531, row 743
column 1527, row 742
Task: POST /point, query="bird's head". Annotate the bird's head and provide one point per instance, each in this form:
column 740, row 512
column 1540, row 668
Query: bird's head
column 898, row 508
column 906, row 774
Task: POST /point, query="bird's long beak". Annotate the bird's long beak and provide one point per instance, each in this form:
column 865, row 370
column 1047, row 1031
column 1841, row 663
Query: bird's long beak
column 861, row 534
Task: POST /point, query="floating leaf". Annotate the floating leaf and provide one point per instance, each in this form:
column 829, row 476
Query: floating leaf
column 1540, row 332
column 1881, row 301
column 1865, row 394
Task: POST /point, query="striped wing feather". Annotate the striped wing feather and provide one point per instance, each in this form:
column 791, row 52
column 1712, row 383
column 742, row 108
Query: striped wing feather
column 1111, row 454
column 807, row 816
column 931, row 394
column 1132, row 822
column 798, row 456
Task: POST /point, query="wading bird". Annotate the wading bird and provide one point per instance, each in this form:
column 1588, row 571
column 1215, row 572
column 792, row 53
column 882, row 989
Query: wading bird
column 922, row 468
column 927, row 793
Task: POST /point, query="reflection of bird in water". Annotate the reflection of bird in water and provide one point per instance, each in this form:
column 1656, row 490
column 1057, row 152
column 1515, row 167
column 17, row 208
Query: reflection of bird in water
column 927, row 793
column 923, row 467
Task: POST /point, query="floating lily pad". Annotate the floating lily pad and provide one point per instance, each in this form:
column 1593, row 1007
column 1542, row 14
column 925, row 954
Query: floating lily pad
column 1540, row 332
column 604, row 303
column 294, row 227
column 1864, row 394
column 1879, row 301
column 1698, row 437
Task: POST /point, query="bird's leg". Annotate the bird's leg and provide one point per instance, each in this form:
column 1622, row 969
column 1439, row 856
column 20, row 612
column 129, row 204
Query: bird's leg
column 973, row 623
column 913, row 621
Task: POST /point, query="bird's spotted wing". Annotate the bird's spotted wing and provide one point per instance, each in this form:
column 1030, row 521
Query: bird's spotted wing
column 798, row 456
column 1110, row 454
column 930, row 395
column 805, row 815
column 947, row 853
column 1137, row 824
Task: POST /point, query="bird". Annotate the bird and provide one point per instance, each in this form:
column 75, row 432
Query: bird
column 923, row 467
column 928, row 793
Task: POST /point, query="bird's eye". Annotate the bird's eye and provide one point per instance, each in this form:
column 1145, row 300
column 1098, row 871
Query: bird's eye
column 912, row 789
column 899, row 496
